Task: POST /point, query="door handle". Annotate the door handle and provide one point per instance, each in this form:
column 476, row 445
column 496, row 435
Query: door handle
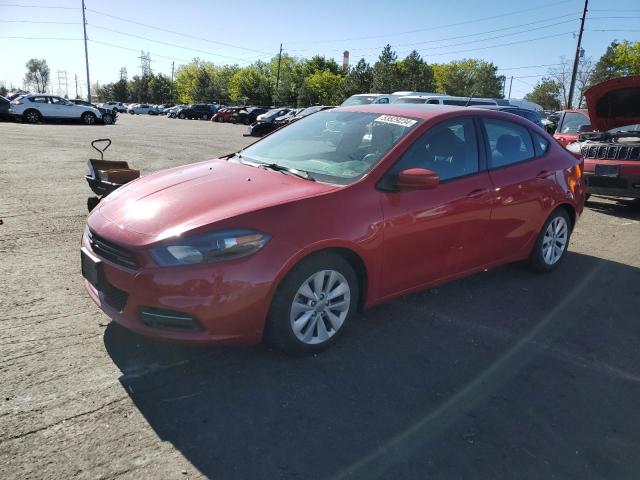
column 477, row 193
column 544, row 174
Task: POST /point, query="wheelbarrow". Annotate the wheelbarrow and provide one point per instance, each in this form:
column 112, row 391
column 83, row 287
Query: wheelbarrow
column 106, row 175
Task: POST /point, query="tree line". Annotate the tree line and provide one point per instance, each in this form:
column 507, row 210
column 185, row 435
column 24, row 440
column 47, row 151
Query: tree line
column 289, row 80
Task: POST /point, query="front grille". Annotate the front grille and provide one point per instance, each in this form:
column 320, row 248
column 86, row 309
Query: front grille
column 112, row 252
column 611, row 152
column 607, row 182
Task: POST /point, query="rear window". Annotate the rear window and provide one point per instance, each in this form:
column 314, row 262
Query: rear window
column 572, row 122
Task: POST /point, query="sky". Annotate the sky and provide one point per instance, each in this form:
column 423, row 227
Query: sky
column 524, row 39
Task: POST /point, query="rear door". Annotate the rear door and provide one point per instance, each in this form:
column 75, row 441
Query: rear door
column 434, row 234
column 63, row 109
column 524, row 184
column 41, row 103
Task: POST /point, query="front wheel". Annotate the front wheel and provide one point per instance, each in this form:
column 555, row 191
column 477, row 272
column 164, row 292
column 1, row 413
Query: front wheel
column 107, row 118
column 181, row 116
column 552, row 242
column 313, row 304
column 88, row 118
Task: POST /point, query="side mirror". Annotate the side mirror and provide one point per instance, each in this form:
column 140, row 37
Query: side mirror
column 585, row 128
column 417, row 179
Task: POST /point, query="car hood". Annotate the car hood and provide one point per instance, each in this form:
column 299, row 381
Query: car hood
column 180, row 199
column 614, row 103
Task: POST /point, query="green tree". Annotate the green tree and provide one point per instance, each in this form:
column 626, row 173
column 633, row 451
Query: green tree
column 546, row 93
column 37, row 75
column 160, row 89
column 620, row 59
column 3, row 91
column 414, row 74
column 120, row 91
column 470, row 77
column 385, row 71
column 322, row 87
column 359, row 79
column 250, row 85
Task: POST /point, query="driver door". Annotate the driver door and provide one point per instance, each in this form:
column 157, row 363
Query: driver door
column 430, row 235
column 62, row 108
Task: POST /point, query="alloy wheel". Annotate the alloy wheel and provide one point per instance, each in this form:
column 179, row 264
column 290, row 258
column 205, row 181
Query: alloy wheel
column 555, row 240
column 33, row 117
column 320, row 307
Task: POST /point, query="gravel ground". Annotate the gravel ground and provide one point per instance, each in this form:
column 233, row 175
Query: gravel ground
column 502, row 375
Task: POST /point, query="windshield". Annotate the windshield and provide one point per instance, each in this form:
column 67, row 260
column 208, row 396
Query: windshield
column 335, row 147
column 359, row 100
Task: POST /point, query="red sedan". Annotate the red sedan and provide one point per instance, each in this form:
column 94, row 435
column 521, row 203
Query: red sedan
column 225, row 114
column 342, row 210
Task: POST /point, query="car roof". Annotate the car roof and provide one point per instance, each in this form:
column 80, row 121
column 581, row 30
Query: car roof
column 424, row 111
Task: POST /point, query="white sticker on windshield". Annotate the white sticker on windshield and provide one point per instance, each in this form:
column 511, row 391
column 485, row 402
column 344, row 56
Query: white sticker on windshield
column 405, row 122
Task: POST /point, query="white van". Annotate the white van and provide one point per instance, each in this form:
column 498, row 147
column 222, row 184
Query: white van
column 446, row 100
column 368, row 99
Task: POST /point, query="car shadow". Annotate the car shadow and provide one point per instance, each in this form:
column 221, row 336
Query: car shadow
column 506, row 374
column 627, row 209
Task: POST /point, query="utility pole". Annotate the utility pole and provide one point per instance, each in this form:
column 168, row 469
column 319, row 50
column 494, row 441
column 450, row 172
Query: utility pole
column 86, row 51
column 77, row 96
column 510, row 84
column 278, row 71
column 574, row 73
column 173, row 64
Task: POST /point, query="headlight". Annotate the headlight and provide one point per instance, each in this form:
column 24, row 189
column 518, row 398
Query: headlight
column 210, row 247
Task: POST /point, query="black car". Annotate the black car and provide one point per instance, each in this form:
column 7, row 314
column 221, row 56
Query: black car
column 300, row 113
column 266, row 122
column 109, row 117
column 249, row 115
column 530, row 115
column 4, row 108
column 198, row 110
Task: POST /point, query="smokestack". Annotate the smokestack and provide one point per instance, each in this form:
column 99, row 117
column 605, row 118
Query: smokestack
column 345, row 60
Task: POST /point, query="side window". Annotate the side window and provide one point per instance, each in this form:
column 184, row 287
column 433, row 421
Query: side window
column 449, row 148
column 572, row 122
column 459, row 103
column 57, row 100
column 39, row 99
column 540, row 143
column 383, row 100
column 433, row 101
column 508, row 142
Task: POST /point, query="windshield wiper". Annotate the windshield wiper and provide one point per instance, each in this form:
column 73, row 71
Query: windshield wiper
column 291, row 171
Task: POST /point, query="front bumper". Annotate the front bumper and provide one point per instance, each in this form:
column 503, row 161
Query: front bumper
column 227, row 307
column 625, row 184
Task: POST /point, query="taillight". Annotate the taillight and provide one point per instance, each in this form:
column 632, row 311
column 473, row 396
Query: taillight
column 575, row 176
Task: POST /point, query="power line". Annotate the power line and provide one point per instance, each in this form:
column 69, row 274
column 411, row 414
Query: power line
column 472, row 34
column 177, row 33
column 531, row 66
column 17, row 5
column 46, row 22
column 435, row 27
column 39, row 38
column 160, row 42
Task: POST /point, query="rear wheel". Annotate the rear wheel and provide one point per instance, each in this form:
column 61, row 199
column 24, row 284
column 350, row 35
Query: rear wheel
column 219, row 119
column 246, row 121
column 88, row 118
column 181, row 116
column 552, row 242
column 32, row 116
column 313, row 304
column 107, row 118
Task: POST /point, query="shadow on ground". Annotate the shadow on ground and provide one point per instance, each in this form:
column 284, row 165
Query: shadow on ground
column 505, row 374
column 622, row 208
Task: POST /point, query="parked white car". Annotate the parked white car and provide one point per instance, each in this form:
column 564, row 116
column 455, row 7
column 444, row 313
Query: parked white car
column 117, row 106
column 368, row 98
column 446, row 100
column 35, row 107
column 140, row 108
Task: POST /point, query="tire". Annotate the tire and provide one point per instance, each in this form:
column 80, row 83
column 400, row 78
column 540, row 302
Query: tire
column 246, row 121
column 204, row 116
column 88, row 118
column 181, row 116
column 107, row 118
column 32, row 116
column 300, row 320
column 552, row 242
column 218, row 119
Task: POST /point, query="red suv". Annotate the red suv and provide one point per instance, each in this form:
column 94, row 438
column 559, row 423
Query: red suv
column 612, row 153
column 569, row 124
column 341, row 210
